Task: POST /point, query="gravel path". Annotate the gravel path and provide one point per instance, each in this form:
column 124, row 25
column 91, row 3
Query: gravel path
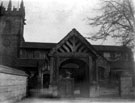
column 79, row 100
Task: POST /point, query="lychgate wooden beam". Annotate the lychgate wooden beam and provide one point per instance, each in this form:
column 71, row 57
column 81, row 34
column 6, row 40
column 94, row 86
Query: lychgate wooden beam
column 71, row 55
column 61, row 50
column 69, row 45
column 78, row 45
column 66, row 48
column 80, row 50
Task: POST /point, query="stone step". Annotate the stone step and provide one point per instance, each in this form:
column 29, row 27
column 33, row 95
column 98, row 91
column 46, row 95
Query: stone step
column 43, row 92
column 105, row 91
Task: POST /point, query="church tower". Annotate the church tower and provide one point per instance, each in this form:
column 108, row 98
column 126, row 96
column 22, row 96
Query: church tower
column 12, row 21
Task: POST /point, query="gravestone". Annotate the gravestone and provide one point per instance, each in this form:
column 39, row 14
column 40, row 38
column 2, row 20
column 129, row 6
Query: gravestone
column 125, row 84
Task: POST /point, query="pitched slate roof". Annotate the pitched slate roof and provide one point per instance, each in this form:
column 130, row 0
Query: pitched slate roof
column 76, row 34
column 37, row 45
column 12, row 71
column 111, row 48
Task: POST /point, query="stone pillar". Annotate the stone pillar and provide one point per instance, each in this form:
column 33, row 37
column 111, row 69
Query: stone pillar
column 125, row 84
column 94, row 87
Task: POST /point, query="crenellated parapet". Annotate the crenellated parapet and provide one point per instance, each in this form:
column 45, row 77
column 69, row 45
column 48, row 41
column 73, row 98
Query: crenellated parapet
column 11, row 10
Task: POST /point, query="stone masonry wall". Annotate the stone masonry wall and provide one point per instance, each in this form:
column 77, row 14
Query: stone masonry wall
column 13, row 84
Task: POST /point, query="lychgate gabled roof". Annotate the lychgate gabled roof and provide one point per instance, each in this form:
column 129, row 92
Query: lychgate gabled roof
column 73, row 42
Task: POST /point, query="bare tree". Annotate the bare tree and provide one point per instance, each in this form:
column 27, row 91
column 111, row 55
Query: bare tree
column 117, row 20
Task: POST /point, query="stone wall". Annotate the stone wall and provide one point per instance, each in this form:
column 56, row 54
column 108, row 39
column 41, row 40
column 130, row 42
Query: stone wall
column 13, row 84
column 97, row 91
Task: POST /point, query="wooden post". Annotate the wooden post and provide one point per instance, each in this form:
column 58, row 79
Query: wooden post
column 96, row 67
column 39, row 76
column 90, row 67
column 51, row 69
column 42, row 77
column 57, row 69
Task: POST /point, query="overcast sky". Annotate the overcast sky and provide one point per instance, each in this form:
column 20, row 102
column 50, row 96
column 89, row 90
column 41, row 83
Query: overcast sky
column 51, row 20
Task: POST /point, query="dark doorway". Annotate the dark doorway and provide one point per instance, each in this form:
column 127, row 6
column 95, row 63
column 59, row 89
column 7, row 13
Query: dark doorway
column 101, row 73
column 78, row 70
column 46, row 79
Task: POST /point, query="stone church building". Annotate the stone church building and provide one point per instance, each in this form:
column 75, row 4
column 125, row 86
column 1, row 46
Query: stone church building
column 73, row 60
